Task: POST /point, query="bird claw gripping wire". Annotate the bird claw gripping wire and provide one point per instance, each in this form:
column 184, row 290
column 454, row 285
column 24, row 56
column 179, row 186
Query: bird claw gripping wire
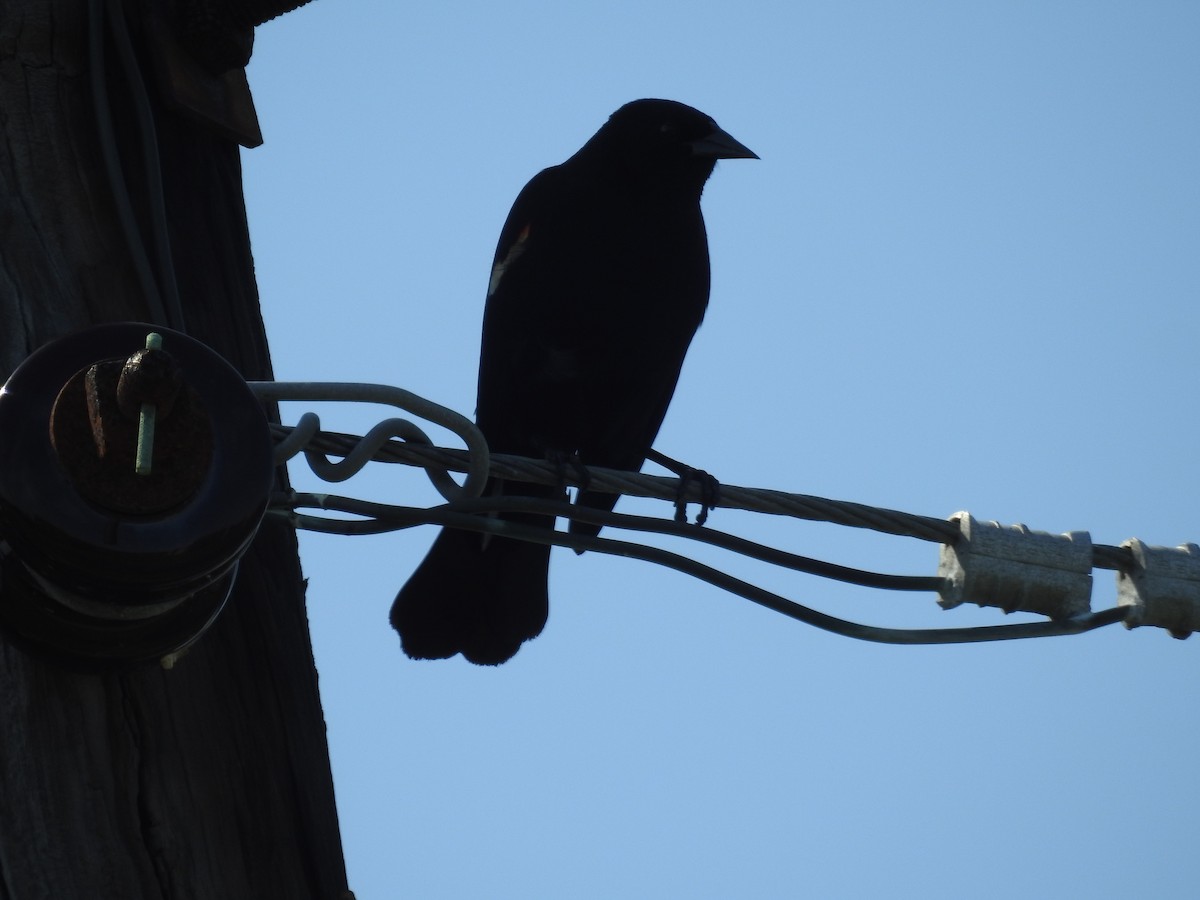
column 710, row 494
column 568, row 464
column 708, row 488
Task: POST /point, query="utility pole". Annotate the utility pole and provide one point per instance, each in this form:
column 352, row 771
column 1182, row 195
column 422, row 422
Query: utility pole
column 209, row 779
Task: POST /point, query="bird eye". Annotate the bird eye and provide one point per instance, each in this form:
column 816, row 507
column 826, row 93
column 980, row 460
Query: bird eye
column 666, row 129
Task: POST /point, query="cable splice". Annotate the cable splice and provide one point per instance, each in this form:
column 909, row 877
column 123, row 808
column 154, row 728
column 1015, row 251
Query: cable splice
column 1164, row 588
column 1014, row 568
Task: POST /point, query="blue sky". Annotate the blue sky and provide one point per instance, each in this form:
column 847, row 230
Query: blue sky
column 965, row 274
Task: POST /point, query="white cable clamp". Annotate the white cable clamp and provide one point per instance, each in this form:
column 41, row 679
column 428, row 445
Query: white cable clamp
column 1164, row 589
column 1013, row 568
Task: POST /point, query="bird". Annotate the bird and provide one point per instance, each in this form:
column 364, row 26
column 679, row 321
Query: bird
column 599, row 282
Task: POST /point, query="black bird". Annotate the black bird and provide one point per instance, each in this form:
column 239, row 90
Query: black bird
column 600, row 280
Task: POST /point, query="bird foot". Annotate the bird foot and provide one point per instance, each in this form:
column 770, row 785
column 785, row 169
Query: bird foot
column 709, row 487
column 569, row 464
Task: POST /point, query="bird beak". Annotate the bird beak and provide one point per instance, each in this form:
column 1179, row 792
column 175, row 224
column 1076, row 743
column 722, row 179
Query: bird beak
column 722, row 145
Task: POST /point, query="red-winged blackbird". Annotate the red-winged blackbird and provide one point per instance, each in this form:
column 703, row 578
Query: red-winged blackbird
column 600, row 280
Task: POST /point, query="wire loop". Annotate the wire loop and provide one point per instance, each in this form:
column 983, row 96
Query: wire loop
column 363, row 449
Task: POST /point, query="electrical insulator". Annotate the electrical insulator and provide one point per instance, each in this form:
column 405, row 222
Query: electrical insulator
column 132, row 479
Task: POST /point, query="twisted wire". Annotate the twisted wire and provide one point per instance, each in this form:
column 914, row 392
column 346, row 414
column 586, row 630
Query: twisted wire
column 635, row 484
column 399, row 441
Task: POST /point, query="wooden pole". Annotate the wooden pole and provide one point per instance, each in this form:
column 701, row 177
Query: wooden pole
column 210, row 779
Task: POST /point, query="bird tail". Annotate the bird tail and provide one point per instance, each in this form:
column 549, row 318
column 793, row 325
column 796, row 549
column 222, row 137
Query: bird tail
column 481, row 597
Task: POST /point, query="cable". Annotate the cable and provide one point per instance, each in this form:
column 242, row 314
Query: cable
column 382, row 517
column 161, row 291
column 985, row 563
column 112, row 163
column 151, row 164
column 636, row 484
column 454, row 517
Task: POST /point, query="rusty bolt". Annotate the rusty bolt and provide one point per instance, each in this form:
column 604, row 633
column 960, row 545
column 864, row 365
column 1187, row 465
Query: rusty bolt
column 149, row 376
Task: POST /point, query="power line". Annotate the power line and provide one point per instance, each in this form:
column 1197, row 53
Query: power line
column 1009, row 567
